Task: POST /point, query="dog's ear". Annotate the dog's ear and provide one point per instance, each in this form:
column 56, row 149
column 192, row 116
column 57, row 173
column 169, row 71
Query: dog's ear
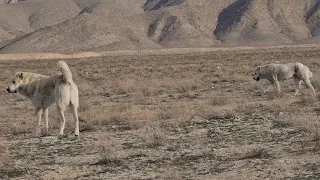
column 21, row 75
column 259, row 69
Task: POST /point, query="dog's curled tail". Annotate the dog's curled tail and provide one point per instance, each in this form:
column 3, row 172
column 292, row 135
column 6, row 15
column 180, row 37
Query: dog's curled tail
column 65, row 70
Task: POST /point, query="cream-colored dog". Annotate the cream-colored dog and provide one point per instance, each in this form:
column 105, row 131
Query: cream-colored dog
column 280, row 72
column 43, row 91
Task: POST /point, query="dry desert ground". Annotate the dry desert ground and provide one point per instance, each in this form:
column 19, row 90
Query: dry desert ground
column 196, row 115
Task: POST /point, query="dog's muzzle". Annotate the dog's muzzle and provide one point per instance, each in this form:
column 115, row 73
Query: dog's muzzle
column 10, row 91
column 257, row 79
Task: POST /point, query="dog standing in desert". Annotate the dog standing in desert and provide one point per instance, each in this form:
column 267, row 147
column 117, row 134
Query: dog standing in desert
column 280, row 72
column 43, row 91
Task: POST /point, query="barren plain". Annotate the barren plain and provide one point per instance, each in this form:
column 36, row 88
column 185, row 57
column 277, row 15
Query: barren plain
column 196, row 115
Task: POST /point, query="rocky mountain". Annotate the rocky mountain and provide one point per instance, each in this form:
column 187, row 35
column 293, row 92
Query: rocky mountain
column 99, row 25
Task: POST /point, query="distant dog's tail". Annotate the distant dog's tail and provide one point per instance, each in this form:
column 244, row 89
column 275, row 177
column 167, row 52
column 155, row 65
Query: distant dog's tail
column 65, row 70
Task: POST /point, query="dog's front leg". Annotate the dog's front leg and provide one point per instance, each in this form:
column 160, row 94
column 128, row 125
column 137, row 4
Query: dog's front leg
column 268, row 89
column 278, row 86
column 39, row 115
column 46, row 118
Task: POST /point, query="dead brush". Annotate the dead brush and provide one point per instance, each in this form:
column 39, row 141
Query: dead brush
column 218, row 100
column 6, row 163
column 171, row 174
column 152, row 135
column 306, row 100
column 186, row 85
column 108, row 157
column 126, row 117
column 307, row 123
column 22, row 128
column 255, row 153
column 210, row 113
column 109, row 151
column 124, row 86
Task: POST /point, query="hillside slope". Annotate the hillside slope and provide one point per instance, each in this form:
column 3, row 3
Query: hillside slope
column 97, row 25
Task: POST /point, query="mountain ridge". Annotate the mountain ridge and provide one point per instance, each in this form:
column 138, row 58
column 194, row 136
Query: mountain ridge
column 78, row 25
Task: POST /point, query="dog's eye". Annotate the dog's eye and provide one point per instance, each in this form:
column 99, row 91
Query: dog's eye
column 14, row 82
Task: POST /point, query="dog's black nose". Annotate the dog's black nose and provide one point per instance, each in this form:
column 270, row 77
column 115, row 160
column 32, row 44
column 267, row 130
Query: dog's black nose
column 8, row 90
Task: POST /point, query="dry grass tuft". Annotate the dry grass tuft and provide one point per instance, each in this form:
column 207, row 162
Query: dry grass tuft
column 152, row 135
column 255, row 153
column 6, row 163
column 23, row 128
column 109, row 151
column 306, row 100
column 218, row 101
column 307, row 123
column 172, row 174
column 109, row 158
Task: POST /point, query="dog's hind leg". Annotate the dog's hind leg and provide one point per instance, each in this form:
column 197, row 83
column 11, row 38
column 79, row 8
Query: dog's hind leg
column 74, row 109
column 46, row 118
column 307, row 81
column 297, row 82
column 39, row 116
column 62, row 119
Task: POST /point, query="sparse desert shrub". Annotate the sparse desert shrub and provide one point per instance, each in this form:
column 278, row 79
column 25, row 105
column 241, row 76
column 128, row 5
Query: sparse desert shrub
column 259, row 108
column 306, row 100
column 152, row 135
column 307, row 123
column 23, row 128
column 210, row 113
column 255, row 87
column 109, row 151
column 6, row 164
column 185, row 85
column 218, row 100
column 98, row 76
column 126, row 117
column 255, row 153
column 62, row 173
column 124, row 86
column 108, row 157
column 277, row 123
column 172, row 174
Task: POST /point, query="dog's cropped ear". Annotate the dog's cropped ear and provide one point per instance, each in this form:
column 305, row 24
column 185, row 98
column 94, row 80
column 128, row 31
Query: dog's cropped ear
column 20, row 75
column 259, row 69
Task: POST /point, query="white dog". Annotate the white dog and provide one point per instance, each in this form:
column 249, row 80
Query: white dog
column 46, row 90
column 280, row 72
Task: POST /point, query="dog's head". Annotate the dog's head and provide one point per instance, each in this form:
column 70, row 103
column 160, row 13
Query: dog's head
column 257, row 74
column 17, row 80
